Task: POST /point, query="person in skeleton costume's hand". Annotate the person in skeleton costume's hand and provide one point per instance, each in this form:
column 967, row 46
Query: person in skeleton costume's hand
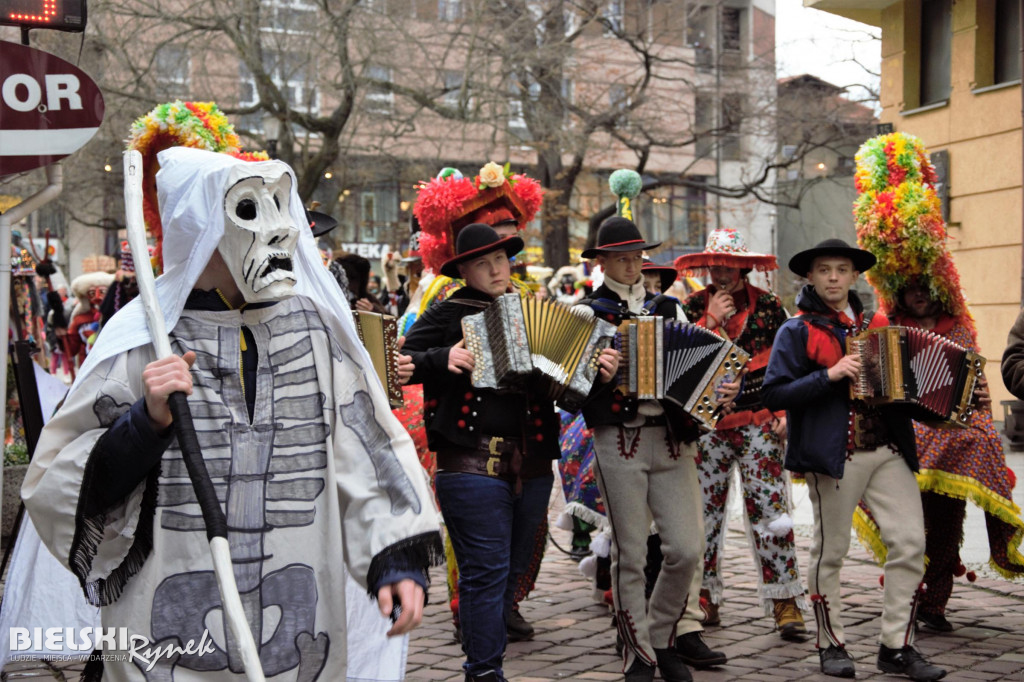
column 310, row 464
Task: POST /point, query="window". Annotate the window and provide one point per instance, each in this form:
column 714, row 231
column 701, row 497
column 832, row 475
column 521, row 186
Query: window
column 379, row 98
column 700, row 28
column 732, row 118
column 452, row 83
column 449, row 10
column 613, row 14
column 731, row 29
column 288, row 16
column 568, row 91
column 617, row 97
column 516, row 118
column 936, row 50
column 292, row 73
column 1007, row 42
column 171, row 65
column 378, row 213
column 703, row 123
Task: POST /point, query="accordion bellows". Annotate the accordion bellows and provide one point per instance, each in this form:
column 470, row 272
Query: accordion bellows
column 516, row 338
column 379, row 334
column 677, row 361
column 919, row 367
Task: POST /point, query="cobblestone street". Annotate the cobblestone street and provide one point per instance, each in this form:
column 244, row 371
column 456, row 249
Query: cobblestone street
column 575, row 640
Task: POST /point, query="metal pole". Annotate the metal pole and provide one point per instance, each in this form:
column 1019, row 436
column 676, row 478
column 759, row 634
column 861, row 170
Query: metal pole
column 15, row 215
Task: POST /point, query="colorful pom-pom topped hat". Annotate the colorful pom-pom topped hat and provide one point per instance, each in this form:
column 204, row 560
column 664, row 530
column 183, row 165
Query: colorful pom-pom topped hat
column 726, row 248
column 179, row 124
column 899, row 220
column 451, row 201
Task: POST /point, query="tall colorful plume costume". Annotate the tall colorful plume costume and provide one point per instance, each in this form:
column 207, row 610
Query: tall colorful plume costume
column 899, row 220
column 200, row 125
column 451, row 201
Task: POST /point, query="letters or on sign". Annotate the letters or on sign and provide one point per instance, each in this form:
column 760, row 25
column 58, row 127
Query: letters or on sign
column 49, row 108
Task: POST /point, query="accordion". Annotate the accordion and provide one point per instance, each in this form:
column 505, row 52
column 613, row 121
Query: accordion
column 677, row 361
column 515, row 338
column 379, row 334
column 915, row 366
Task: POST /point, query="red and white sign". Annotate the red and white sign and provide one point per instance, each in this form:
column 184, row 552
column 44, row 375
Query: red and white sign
column 49, row 108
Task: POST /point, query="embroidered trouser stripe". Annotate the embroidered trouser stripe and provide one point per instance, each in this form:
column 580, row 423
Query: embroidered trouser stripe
column 636, row 489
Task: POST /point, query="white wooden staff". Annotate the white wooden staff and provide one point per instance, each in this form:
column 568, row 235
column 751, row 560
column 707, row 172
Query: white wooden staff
column 213, row 515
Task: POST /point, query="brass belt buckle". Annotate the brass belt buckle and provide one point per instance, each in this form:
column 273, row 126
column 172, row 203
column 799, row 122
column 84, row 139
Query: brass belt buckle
column 495, row 459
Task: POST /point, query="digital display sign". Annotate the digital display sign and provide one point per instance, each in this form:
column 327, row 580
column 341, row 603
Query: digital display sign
column 61, row 15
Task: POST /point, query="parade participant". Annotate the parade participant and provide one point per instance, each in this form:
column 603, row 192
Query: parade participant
column 89, row 290
column 658, row 279
column 918, row 286
column 494, row 463
column 507, row 202
column 749, row 439
column 1012, row 365
column 298, row 441
column 848, row 451
column 645, row 468
column 357, row 272
column 124, row 287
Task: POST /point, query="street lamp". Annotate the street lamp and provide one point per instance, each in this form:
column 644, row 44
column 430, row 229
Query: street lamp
column 271, row 131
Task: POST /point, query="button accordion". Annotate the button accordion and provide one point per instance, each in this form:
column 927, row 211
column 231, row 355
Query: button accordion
column 919, row 367
column 677, row 361
column 379, row 334
column 516, row 338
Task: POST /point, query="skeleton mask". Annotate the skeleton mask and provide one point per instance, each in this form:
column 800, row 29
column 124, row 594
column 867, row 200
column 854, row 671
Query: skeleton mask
column 259, row 237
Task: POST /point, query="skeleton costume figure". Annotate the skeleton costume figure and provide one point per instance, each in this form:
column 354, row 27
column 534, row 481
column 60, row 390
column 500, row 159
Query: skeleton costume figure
column 311, row 466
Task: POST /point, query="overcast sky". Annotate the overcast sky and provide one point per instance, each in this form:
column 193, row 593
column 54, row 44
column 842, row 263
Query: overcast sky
column 825, row 45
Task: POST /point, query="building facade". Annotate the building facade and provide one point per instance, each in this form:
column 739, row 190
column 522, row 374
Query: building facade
column 951, row 75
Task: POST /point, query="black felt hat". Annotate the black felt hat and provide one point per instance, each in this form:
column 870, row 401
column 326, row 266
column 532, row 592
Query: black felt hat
column 667, row 273
column 320, row 223
column 618, row 234
column 477, row 240
column 800, row 264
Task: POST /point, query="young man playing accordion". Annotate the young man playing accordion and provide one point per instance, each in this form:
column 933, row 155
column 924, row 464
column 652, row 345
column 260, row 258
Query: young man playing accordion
column 494, row 450
column 645, row 468
column 848, row 451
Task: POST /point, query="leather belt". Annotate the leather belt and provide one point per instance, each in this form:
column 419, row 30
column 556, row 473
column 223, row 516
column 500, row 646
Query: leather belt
column 498, row 457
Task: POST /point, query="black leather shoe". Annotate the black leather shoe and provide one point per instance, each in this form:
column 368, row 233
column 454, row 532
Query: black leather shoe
column 907, row 661
column 518, row 629
column 934, row 621
column 640, row 672
column 693, row 651
column 835, row 662
column 671, row 666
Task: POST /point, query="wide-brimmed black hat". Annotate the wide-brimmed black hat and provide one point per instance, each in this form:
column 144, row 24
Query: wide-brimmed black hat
column 477, row 240
column 667, row 273
column 800, row 264
column 618, row 234
column 320, row 223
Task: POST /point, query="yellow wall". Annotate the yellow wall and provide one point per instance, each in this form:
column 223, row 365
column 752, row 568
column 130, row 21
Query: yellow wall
column 982, row 132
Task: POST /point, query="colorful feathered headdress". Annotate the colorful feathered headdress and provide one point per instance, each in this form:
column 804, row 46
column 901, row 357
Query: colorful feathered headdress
column 451, row 201
column 899, row 220
column 179, row 124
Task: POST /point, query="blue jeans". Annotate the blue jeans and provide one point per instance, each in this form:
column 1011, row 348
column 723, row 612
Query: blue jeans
column 492, row 531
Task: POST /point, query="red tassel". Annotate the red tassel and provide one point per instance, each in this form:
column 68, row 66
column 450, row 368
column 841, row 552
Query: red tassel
column 959, row 570
column 454, row 605
column 971, row 576
column 881, row 580
column 816, row 598
column 1012, row 476
column 608, row 598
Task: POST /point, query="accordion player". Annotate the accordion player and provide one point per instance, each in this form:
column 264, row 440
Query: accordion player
column 918, row 367
column 677, row 361
column 515, row 338
column 379, row 334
